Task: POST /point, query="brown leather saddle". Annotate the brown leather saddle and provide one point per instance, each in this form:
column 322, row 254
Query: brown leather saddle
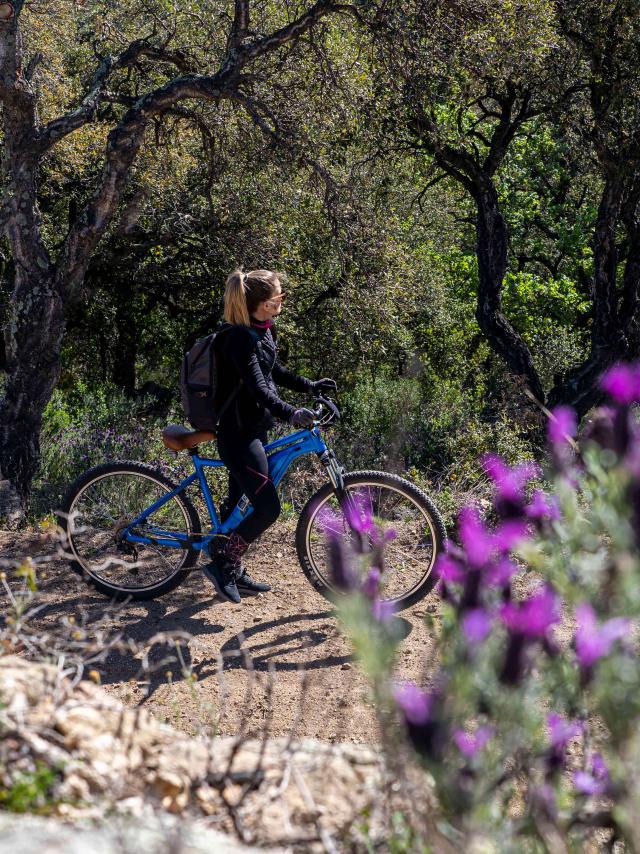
column 179, row 438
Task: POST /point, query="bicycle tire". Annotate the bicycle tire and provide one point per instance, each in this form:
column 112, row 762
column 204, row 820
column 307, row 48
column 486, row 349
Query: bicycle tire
column 117, row 593
column 366, row 477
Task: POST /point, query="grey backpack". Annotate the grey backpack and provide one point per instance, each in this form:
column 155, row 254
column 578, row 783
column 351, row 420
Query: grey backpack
column 199, row 382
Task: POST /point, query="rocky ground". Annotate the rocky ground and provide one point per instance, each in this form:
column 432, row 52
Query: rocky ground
column 279, row 661
column 104, row 760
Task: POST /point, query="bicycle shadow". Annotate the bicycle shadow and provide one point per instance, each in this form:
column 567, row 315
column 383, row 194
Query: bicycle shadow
column 241, row 652
column 166, row 639
column 149, row 656
column 155, row 645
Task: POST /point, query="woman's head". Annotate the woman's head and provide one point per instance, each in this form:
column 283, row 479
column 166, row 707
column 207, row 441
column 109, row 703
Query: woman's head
column 257, row 293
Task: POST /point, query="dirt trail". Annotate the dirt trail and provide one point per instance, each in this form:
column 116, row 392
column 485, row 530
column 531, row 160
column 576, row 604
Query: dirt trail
column 271, row 643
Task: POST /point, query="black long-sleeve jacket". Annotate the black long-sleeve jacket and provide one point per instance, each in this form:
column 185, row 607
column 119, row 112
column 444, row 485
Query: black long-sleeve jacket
column 241, row 357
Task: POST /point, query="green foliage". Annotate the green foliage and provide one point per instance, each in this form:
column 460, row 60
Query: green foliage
column 542, row 667
column 86, row 427
column 383, row 420
column 401, row 837
column 381, row 262
column 31, row 792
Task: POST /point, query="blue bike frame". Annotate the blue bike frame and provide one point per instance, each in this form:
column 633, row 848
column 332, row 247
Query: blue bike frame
column 280, row 454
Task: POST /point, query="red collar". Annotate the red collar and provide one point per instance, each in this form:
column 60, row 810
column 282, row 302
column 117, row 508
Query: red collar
column 262, row 324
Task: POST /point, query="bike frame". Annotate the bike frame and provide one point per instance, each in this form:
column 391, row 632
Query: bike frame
column 280, row 454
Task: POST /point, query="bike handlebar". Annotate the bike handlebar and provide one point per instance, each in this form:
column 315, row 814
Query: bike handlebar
column 325, row 402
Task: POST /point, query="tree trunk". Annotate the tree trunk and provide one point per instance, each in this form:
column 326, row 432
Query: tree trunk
column 492, row 249
column 44, row 289
column 611, row 334
column 33, row 339
column 126, row 351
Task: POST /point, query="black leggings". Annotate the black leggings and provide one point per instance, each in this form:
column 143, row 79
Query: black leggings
column 243, row 454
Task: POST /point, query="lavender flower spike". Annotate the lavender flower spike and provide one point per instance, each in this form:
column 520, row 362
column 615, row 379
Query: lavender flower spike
column 561, row 731
column 534, row 617
column 343, row 573
column 449, row 570
column 562, row 426
column 542, row 506
column 476, row 539
column 359, row 513
column 595, row 783
column 371, row 584
column 468, row 744
column 476, row 625
column 510, row 482
column 510, row 534
column 414, row 703
column 383, row 610
column 593, row 642
column 622, row 383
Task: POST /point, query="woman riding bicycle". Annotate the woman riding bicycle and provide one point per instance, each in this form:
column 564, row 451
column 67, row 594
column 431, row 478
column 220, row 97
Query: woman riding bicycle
column 248, row 370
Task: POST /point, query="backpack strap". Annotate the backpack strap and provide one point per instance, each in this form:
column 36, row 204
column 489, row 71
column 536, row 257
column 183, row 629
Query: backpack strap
column 256, row 337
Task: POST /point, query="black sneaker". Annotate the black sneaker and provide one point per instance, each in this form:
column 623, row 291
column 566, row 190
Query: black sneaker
column 222, row 574
column 246, row 584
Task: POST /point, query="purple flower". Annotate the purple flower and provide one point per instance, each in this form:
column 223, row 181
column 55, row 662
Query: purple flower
column 598, row 766
column 371, row 584
column 449, row 570
column 561, row 731
column 595, row 783
column 469, row 744
column 426, row 732
column 593, row 642
column 562, row 425
column 622, row 383
column 534, row 617
column 415, row 704
column 476, row 539
column 476, row 625
column 542, row 506
column 480, row 544
column 359, row 512
column 343, row 573
column 600, row 428
column 509, row 534
column 383, row 610
column 500, row 573
column 509, row 481
column 387, row 535
column 329, row 521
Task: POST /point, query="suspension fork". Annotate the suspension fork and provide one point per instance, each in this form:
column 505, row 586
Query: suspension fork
column 336, row 474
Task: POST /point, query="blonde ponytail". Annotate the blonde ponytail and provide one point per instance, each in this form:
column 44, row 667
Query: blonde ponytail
column 235, row 300
column 245, row 291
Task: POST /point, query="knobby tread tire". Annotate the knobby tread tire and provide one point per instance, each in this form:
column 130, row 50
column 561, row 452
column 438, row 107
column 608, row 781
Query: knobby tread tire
column 440, row 532
column 112, row 591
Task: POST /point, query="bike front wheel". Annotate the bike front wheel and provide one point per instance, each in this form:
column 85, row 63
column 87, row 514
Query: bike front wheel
column 97, row 509
column 394, row 505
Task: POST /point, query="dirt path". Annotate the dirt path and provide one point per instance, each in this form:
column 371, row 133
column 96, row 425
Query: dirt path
column 272, row 644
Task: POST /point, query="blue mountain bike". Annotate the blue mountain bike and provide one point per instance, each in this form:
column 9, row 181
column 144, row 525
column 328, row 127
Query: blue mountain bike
column 133, row 533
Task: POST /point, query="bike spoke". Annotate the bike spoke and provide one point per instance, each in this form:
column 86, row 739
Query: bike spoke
column 408, row 556
column 104, row 507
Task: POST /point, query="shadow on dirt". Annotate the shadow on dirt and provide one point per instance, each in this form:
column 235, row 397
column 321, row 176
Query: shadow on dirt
column 246, row 650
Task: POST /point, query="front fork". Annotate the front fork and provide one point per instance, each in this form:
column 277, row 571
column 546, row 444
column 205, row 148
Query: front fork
column 336, row 474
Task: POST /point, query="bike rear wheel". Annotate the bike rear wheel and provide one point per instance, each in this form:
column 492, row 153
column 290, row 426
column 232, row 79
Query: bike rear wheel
column 93, row 515
column 394, row 503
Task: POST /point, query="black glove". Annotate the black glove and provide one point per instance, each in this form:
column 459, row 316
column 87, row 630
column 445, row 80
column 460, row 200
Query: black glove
column 303, row 418
column 324, row 386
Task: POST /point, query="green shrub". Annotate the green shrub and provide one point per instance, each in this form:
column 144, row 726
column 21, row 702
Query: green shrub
column 31, row 792
column 526, row 726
